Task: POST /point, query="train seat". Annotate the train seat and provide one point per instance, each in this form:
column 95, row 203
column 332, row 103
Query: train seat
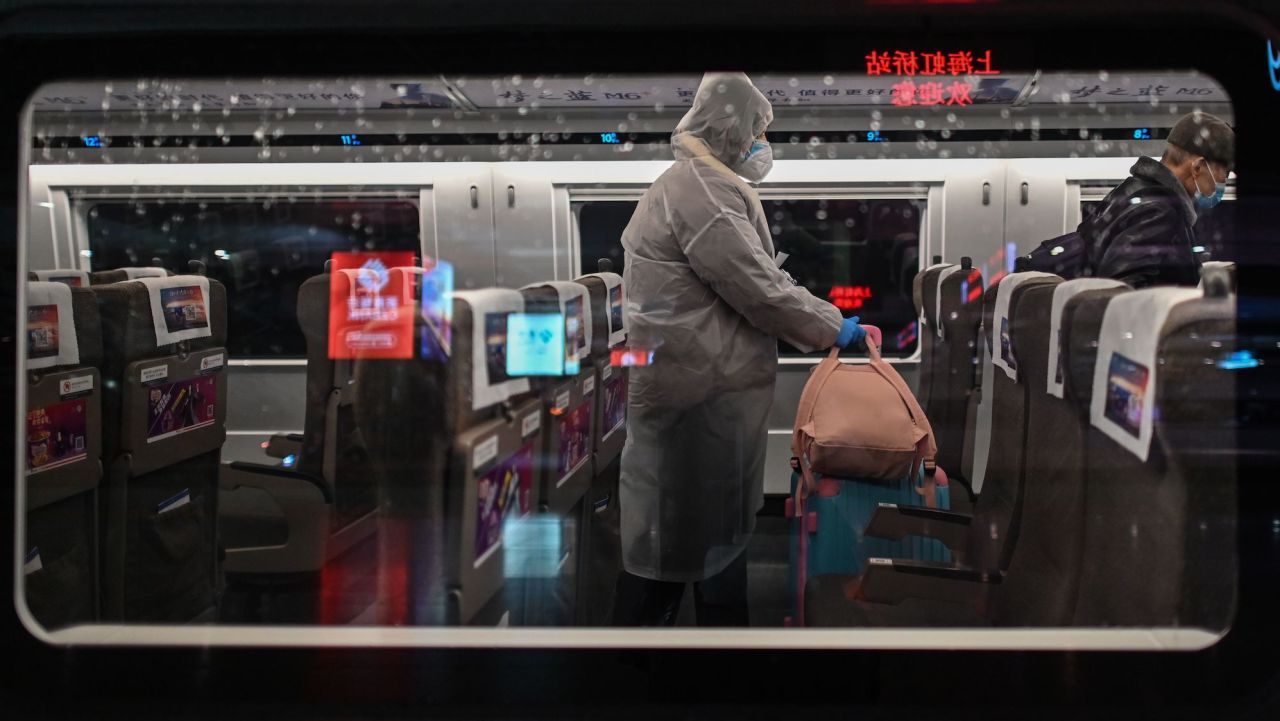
column 924, row 295
column 1160, row 493
column 164, row 415
column 454, row 448
column 320, row 511
column 1039, row 585
column 63, row 453
column 956, row 318
column 568, row 400
column 600, row 540
column 566, row 463
column 983, row 543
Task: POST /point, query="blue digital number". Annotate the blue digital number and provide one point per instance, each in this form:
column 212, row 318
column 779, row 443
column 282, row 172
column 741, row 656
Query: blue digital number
column 1142, row 134
column 350, row 139
column 92, row 141
column 1273, row 65
column 873, row 136
column 610, row 138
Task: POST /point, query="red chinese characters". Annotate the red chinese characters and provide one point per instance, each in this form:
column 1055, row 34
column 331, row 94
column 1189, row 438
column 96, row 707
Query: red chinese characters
column 908, row 92
column 849, row 297
column 912, row 63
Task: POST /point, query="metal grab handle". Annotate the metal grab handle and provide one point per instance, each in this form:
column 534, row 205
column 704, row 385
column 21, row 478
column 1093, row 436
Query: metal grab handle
column 511, row 196
column 475, row 197
column 1026, row 192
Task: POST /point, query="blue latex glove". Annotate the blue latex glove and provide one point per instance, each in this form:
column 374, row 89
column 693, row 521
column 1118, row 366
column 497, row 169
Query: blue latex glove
column 850, row 332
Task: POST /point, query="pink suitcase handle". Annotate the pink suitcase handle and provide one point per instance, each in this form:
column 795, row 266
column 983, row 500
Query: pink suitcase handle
column 874, row 333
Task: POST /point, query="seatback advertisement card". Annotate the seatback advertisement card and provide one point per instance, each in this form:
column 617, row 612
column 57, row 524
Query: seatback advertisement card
column 615, row 403
column 184, row 308
column 42, row 331
column 181, row 406
column 56, row 435
column 575, row 438
column 502, row 492
column 1126, row 393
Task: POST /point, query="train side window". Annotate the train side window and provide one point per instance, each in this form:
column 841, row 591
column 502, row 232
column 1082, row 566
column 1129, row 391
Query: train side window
column 600, row 226
column 860, row 254
column 262, row 250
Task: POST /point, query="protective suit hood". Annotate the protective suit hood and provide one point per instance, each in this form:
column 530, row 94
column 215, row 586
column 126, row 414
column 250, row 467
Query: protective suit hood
column 728, row 113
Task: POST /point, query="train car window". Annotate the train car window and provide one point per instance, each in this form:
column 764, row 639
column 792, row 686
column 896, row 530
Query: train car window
column 861, row 254
column 479, row 438
column 600, row 226
column 262, row 250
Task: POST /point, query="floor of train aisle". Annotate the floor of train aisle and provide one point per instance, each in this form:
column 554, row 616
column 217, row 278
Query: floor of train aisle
column 768, row 569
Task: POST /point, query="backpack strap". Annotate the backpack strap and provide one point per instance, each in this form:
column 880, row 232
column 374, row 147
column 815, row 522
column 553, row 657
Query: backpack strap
column 802, row 433
column 926, row 447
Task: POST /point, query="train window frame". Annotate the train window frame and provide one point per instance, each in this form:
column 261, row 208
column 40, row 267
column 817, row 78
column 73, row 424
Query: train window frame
column 914, row 638
column 927, row 193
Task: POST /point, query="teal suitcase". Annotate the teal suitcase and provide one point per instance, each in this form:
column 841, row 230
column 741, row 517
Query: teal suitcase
column 836, row 515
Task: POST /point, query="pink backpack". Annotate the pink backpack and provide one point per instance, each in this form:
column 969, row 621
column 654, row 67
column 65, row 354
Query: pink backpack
column 862, row 421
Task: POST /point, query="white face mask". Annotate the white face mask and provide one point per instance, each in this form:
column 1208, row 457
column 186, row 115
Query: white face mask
column 757, row 162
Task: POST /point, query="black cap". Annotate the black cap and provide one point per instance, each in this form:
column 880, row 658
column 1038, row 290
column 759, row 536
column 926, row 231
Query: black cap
column 1204, row 134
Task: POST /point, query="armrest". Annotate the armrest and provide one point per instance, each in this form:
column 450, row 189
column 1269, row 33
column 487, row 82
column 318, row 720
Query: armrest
column 258, row 475
column 890, row 581
column 284, row 444
column 306, row 506
column 894, row 522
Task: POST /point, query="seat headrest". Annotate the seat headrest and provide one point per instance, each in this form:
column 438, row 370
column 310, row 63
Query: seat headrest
column 51, row 328
column 575, row 303
column 490, row 309
column 1061, row 294
column 1002, row 352
column 120, row 275
column 936, row 311
column 1124, row 373
column 617, row 306
column 69, row 276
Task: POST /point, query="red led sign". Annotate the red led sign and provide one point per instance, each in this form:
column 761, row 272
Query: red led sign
column 849, row 297
column 910, row 64
column 908, row 92
column 902, row 62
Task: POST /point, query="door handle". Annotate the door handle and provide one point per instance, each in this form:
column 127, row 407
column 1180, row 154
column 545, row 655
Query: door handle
column 475, row 197
column 1026, row 192
column 511, row 196
column 986, row 193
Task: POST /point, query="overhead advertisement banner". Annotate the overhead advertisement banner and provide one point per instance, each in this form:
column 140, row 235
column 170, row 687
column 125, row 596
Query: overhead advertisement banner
column 1128, row 88
column 244, row 95
column 782, row 90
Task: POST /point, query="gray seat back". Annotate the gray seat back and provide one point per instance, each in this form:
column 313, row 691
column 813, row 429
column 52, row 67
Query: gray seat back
column 63, row 466
column 1159, row 532
column 164, row 422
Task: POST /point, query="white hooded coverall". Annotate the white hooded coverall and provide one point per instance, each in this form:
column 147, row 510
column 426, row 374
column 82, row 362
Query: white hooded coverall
column 706, row 297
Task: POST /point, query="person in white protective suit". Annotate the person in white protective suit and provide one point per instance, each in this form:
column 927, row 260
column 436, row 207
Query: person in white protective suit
column 707, row 298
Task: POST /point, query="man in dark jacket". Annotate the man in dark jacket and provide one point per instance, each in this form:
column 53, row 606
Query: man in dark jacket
column 1142, row 233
